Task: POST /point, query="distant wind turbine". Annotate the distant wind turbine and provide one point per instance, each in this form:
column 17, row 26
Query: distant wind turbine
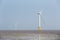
column 39, row 24
column 39, row 20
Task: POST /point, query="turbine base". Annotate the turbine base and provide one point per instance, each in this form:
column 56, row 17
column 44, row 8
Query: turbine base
column 39, row 28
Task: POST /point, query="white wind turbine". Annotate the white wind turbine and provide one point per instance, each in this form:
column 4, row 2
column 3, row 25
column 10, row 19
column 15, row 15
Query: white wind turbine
column 39, row 23
column 39, row 20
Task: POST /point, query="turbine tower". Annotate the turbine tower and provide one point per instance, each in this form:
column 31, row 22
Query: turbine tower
column 39, row 20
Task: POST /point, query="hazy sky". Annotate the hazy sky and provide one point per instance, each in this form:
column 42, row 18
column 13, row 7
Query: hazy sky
column 22, row 14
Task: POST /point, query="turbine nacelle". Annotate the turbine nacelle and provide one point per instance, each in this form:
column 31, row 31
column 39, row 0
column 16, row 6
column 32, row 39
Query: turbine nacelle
column 39, row 13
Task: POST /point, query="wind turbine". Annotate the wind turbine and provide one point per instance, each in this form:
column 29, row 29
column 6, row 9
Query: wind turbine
column 39, row 24
column 39, row 20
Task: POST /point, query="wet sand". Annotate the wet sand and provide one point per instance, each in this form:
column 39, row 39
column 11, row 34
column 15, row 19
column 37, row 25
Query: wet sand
column 28, row 34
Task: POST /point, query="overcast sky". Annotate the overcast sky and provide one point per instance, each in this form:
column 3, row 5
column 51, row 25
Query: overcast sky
column 22, row 14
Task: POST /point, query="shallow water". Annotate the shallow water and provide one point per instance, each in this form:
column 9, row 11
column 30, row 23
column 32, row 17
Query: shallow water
column 30, row 37
column 16, row 38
